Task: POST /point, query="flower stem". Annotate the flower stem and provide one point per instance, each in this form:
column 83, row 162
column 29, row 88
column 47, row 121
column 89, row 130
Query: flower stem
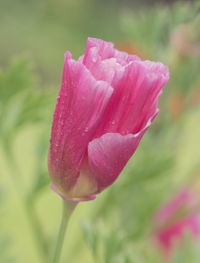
column 68, row 208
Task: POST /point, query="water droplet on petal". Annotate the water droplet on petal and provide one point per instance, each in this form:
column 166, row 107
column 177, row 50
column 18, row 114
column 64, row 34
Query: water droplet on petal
column 94, row 60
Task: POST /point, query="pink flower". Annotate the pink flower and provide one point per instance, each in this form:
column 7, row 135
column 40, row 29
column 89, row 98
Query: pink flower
column 178, row 216
column 107, row 101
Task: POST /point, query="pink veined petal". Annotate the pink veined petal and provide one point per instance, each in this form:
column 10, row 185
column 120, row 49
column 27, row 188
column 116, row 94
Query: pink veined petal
column 157, row 76
column 103, row 61
column 79, row 107
column 124, row 58
column 101, row 69
column 135, row 97
column 105, row 49
column 98, row 67
column 108, row 155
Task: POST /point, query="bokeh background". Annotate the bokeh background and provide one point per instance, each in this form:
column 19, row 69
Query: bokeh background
column 117, row 227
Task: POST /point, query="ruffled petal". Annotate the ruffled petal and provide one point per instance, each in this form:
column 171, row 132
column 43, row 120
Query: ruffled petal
column 101, row 69
column 79, row 107
column 105, row 62
column 135, row 97
column 105, row 49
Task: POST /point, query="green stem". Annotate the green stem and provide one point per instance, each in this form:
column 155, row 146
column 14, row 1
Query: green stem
column 68, row 208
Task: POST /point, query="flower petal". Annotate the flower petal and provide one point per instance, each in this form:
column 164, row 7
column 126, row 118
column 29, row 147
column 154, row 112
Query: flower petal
column 108, row 155
column 135, row 97
column 99, row 68
column 105, row 49
column 79, row 107
column 184, row 199
column 190, row 224
column 103, row 61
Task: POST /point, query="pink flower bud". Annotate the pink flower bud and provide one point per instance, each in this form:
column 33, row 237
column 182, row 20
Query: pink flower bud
column 107, row 101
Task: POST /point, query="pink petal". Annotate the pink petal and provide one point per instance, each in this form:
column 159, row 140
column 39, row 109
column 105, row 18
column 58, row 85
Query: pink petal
column 103, row 60
column 176, row 232
column 100, row 69
column 135, row 97
column 124, row 58
column 105, row 49
column 79, row 107
column 184, row 198
column 109, row 154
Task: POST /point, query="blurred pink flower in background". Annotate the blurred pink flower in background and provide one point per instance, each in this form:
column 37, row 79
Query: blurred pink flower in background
column 107, row 101
column 174, row 219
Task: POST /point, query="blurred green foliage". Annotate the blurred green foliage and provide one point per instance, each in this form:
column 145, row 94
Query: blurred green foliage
column 117, row 226
column 189, row 252
column 21, row 101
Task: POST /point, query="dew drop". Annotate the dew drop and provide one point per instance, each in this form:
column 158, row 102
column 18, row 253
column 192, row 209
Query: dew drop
column 94, row 60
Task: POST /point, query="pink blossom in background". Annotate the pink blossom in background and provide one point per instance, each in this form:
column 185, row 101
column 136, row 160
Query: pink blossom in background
column 107, row 101
column 175, row 218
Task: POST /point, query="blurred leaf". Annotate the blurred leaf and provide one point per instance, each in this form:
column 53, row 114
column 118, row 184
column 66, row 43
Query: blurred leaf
column 5, row 241
column 156, row 165
column 41, row 178
column 148, row 29
column 182, row 77
column 15, row 79
column 21, row 103
column 113, row 246
column 5, row 256
column 187, row 251
column 91, row 238
column 151, row 28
